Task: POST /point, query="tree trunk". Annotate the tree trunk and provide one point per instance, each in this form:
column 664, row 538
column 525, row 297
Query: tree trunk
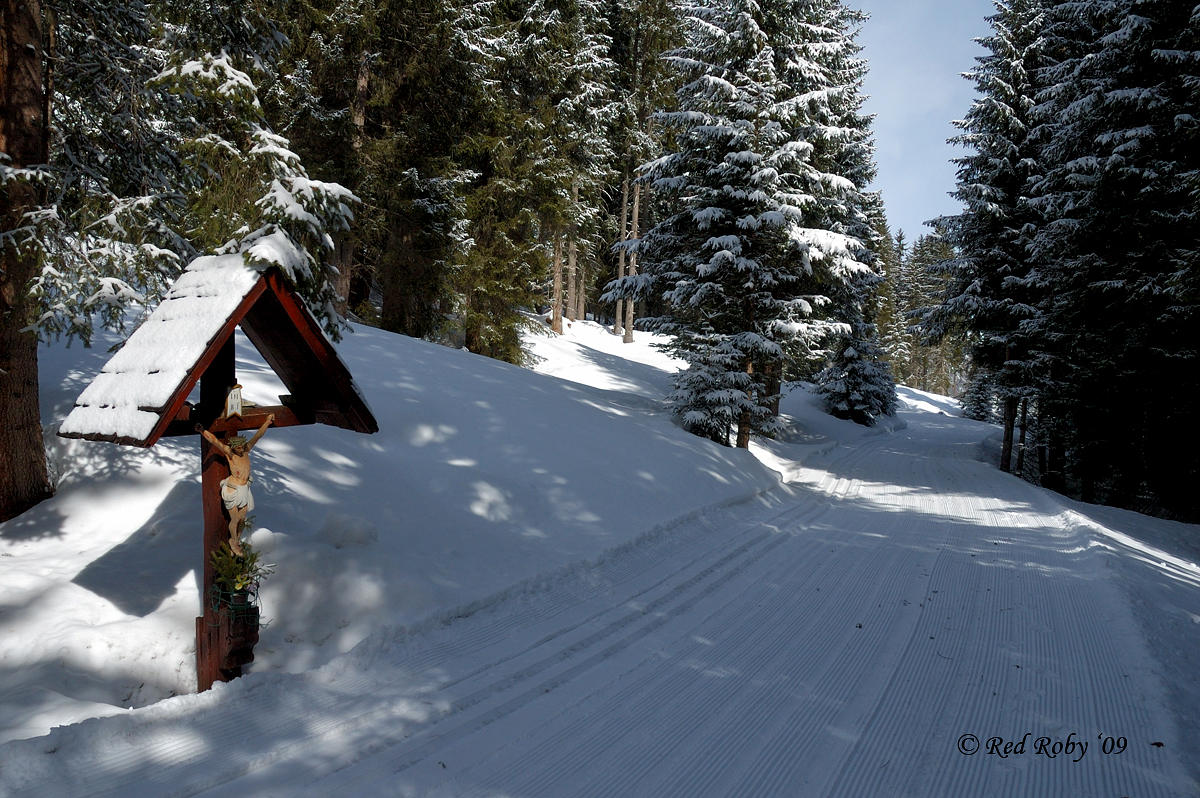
column 581, row 293
column 743, row 432
column 774, row 374
column 23, row 137
column 343, row 260
column 1010, row 417
column 633, row 235
column 572, row 285
column 358, row 113
column 1021, row 443
column 557, row 317
column 619, row 314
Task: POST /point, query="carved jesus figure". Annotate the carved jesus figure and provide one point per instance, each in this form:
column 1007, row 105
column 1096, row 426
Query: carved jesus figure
column 235, row 488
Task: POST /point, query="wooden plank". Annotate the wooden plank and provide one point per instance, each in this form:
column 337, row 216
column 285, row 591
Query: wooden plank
column 360, row 417
column 293, row 344
column 201, row 366
column 251, row 419
column 216, row 531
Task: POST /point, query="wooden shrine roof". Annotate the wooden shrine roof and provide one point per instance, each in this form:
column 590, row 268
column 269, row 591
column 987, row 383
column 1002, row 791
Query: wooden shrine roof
column 141, row 393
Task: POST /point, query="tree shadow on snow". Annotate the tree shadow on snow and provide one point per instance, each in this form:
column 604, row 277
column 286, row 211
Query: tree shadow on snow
column 138, row 574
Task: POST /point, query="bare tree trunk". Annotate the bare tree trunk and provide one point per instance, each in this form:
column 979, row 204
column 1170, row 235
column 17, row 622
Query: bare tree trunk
column 581, row 295
column 572, row 281
column 633, row 235
column 572, row 285
column 23, row 137
column 619, row 314
column 774, row 373
column 343, row 260
column 1010, row 417
column 556, row 319
column 743, row 432
column 358, row 113
column 1021, row 443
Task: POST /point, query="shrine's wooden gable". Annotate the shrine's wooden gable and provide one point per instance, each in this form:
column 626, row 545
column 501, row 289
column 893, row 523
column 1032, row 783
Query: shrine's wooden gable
column 141, row 393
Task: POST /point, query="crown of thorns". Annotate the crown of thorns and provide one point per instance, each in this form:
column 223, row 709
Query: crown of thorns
column 236, row 440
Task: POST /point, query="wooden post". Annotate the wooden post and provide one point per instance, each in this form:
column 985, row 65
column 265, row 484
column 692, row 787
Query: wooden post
column 211, row 638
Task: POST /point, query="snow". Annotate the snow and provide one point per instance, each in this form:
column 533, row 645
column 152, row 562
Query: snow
column 155, row 361
column 466, row 490
column 534, row 584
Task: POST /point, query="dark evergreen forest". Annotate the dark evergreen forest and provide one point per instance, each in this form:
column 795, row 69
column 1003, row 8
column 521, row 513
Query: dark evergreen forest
column 461, row 170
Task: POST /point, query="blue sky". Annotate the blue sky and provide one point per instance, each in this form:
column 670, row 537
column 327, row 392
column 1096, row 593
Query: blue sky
column 917, row 50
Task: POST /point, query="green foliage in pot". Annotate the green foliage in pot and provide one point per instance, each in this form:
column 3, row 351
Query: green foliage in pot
column 237, row 572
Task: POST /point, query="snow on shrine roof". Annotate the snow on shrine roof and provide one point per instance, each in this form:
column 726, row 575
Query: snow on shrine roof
column 128, row 397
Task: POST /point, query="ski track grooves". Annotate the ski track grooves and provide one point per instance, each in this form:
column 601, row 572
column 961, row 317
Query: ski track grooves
column 704, row 561
column 830, row 639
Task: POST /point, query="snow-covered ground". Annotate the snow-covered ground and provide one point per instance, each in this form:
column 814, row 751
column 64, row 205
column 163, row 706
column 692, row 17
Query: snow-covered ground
column 535, row 585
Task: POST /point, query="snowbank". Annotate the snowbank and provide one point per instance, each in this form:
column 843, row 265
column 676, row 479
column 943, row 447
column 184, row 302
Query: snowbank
column 482, row 475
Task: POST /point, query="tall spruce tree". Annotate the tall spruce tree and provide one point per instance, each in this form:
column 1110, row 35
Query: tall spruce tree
column 755, row 208
column 160, row 151
column 24, row 139
column 541, row 161
column 991, row 293
column 858, row 382
column 1119, row 249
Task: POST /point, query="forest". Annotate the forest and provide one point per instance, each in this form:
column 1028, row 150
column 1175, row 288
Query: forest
column 460, row 171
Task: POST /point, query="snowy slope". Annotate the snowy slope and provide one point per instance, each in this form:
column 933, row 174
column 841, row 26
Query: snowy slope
column 483, row 474
column 836, row 635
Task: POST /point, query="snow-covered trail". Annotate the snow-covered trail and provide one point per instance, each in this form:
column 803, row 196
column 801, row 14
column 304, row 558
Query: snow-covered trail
column 836, row 637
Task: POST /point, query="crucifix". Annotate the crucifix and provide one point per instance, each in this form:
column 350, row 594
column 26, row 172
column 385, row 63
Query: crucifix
column 141, row 395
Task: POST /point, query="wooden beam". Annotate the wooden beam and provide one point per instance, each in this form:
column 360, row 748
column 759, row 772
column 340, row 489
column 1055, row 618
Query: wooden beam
column 251, row 418
column 216, row 345
column 209, row 641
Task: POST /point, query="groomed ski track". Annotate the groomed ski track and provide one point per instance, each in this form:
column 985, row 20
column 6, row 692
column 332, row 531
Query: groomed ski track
column 834, row 637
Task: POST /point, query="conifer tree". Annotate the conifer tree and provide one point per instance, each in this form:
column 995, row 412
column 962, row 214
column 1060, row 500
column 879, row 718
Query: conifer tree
column 24, row 141
column 541, row 159
column 1119, row 249
column 160, row 151
column 759, row 211
column 991, row 291
column 942, row 365
column 642, row 30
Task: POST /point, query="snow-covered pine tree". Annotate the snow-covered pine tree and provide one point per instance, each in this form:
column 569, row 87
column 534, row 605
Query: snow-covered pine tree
column 642, row 30
column 133, row 163
column 583, row 108
column 991, row 293
column 942, row 366
column 542, row 161
column 1121, row 248
column 979, row 398
column 409, row 92
column 249, row 192
column 893, row 302
column 162, row 153
column 740, row 258
column 857, row 383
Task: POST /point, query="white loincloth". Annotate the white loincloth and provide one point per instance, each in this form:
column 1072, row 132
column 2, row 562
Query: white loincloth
column 236, row 495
